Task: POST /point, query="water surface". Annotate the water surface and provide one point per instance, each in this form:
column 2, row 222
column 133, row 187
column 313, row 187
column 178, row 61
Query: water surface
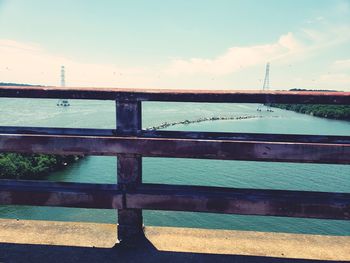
column 240, row 174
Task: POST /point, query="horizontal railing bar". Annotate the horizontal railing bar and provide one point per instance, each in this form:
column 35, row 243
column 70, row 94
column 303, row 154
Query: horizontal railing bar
column 302, row 204
column 179, row 148
column 39, row 193
column 57, row 131
column 322, row 205
column 234, row 96
column 269, row 137
column 337, row 139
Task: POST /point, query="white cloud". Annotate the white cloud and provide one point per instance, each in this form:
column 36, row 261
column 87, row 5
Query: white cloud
column 290, row 42
column 335, row 76
column 339, row 80
column 289, row 55
column 236, row 58
column 326, row 81
column 341, row 65
column 297, row 46
column 338, row 75
column 28, row 63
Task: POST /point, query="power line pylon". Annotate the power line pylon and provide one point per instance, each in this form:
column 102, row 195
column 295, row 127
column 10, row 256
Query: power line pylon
column 266, row 86
column 63, row 77
column 63, row 102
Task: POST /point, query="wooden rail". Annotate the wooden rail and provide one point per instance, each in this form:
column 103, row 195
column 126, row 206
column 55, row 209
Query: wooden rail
column 237, row 96
column 303, row 152
column 130, row 143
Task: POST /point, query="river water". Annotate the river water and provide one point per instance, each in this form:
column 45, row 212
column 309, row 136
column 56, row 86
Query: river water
column 240, row 174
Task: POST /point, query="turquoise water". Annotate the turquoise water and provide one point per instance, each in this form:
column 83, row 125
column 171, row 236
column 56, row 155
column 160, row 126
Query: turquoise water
column 241, row 174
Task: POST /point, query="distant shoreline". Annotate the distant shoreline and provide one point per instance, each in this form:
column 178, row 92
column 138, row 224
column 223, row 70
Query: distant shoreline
column 33, row 166
column 335, row 112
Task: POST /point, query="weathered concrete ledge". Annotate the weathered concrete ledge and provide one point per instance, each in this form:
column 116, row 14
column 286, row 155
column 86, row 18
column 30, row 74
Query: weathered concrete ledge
column 35, row 241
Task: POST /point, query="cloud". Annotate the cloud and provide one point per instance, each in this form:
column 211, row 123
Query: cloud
column 341, row 65
column 335, row 78
column 236, row 58
column 293, row 55
column 338, row 75
column 29, row 63
column 289, row 47
column 339, row 80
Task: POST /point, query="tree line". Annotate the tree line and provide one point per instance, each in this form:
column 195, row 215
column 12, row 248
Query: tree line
column 339, row 112
column 32, row 166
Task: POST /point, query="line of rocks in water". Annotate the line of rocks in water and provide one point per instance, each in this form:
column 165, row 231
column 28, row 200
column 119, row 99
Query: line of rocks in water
column 186, row 122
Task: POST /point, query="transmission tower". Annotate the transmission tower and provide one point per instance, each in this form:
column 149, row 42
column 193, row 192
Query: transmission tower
column 63, row 102
column 63, row 77
column 266, row 86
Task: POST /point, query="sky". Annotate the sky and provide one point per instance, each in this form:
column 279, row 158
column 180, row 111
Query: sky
column 182, row 44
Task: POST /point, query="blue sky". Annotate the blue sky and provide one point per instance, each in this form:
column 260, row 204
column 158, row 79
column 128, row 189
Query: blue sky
column 222, row 44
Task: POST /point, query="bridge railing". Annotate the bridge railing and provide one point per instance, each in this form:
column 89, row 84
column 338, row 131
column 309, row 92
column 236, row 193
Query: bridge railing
column 129, row 142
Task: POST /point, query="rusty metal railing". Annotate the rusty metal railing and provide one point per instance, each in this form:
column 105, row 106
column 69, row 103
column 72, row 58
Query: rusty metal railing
column 130, row 143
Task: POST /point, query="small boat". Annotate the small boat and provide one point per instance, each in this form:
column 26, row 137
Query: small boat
column 63, row 102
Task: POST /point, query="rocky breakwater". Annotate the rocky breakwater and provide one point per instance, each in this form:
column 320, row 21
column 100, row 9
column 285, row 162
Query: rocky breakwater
column 215, row 118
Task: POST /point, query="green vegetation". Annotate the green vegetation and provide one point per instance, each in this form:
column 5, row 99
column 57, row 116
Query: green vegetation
column 31, row 166
column 339, row 112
